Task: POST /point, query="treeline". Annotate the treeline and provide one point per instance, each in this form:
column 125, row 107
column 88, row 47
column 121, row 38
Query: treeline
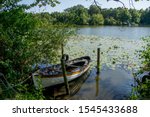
column 79, row 15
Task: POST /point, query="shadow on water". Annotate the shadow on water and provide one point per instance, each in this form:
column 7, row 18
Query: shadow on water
column 97, row 79
column 59, row 92
column 110, row 84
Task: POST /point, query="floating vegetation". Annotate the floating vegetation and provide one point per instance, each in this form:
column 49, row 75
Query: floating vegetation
column 113, row 50
column 115, row 47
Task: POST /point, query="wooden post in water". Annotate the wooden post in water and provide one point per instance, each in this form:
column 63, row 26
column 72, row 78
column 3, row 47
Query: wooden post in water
column 97, row 84
column 64, row 75
column 62, row 49
column 98, row 60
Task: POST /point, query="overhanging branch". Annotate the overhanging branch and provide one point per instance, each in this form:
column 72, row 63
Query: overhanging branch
column 119, row 2
column 96, row 3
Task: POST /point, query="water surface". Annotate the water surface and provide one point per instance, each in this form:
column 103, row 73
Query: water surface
column 110, row 84
column 118, row 60
column 122, row 32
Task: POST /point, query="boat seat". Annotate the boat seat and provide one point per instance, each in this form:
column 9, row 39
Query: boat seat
column 73, row 65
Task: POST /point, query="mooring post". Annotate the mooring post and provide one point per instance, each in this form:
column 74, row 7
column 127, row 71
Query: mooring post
column 64, row 75
column 62, row 49
column 98, row 60
column 97, row 84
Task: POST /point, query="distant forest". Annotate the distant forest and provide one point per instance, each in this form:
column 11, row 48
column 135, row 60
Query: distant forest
column 79, row 15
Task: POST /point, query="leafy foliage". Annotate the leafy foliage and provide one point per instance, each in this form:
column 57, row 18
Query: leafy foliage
column 145, row 18
column 80, row 15
column 145, row 54
column 96, row 19
column 93, row 9
column 25, row 40
column 110, row 21
column 135, row 16
column 142, row 91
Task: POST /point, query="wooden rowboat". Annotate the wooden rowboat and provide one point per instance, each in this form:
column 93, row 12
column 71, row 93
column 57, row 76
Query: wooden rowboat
column 53, row 75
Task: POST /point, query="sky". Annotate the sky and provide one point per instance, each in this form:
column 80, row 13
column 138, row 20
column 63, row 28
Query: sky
column 64, row 4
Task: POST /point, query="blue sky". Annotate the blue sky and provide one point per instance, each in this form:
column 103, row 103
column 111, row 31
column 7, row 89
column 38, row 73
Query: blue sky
column 104, row 4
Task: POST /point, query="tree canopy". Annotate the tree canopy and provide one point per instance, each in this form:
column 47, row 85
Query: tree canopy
column 80, row 15
column 27, row 39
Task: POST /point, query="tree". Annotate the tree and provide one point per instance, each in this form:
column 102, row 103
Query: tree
column 110, row 21
column 145, row 18
column 124, row 16
column 79, row 13
column 93, row 10
column 117, row 16
column 135, row 16
column 26, row 40
column 96, row 19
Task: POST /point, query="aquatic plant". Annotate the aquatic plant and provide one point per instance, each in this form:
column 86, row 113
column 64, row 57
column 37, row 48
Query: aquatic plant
column 114, row 51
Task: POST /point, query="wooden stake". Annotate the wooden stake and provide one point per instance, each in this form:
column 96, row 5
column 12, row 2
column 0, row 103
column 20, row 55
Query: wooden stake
column 62, row 49
column 98, row 60
column 97, row 84
column 64, row 75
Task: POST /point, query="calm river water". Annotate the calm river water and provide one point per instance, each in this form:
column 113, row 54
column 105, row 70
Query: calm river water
column 118, row 60
column 116, row 31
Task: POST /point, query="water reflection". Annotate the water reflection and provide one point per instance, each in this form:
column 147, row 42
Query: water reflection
column 97, row 79
column 59, row 91
column 110, row 84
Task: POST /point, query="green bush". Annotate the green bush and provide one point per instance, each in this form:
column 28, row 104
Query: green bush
column 25, row 40
column 142, row 91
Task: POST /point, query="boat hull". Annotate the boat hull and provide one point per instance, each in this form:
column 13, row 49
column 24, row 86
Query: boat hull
column 51, row 81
